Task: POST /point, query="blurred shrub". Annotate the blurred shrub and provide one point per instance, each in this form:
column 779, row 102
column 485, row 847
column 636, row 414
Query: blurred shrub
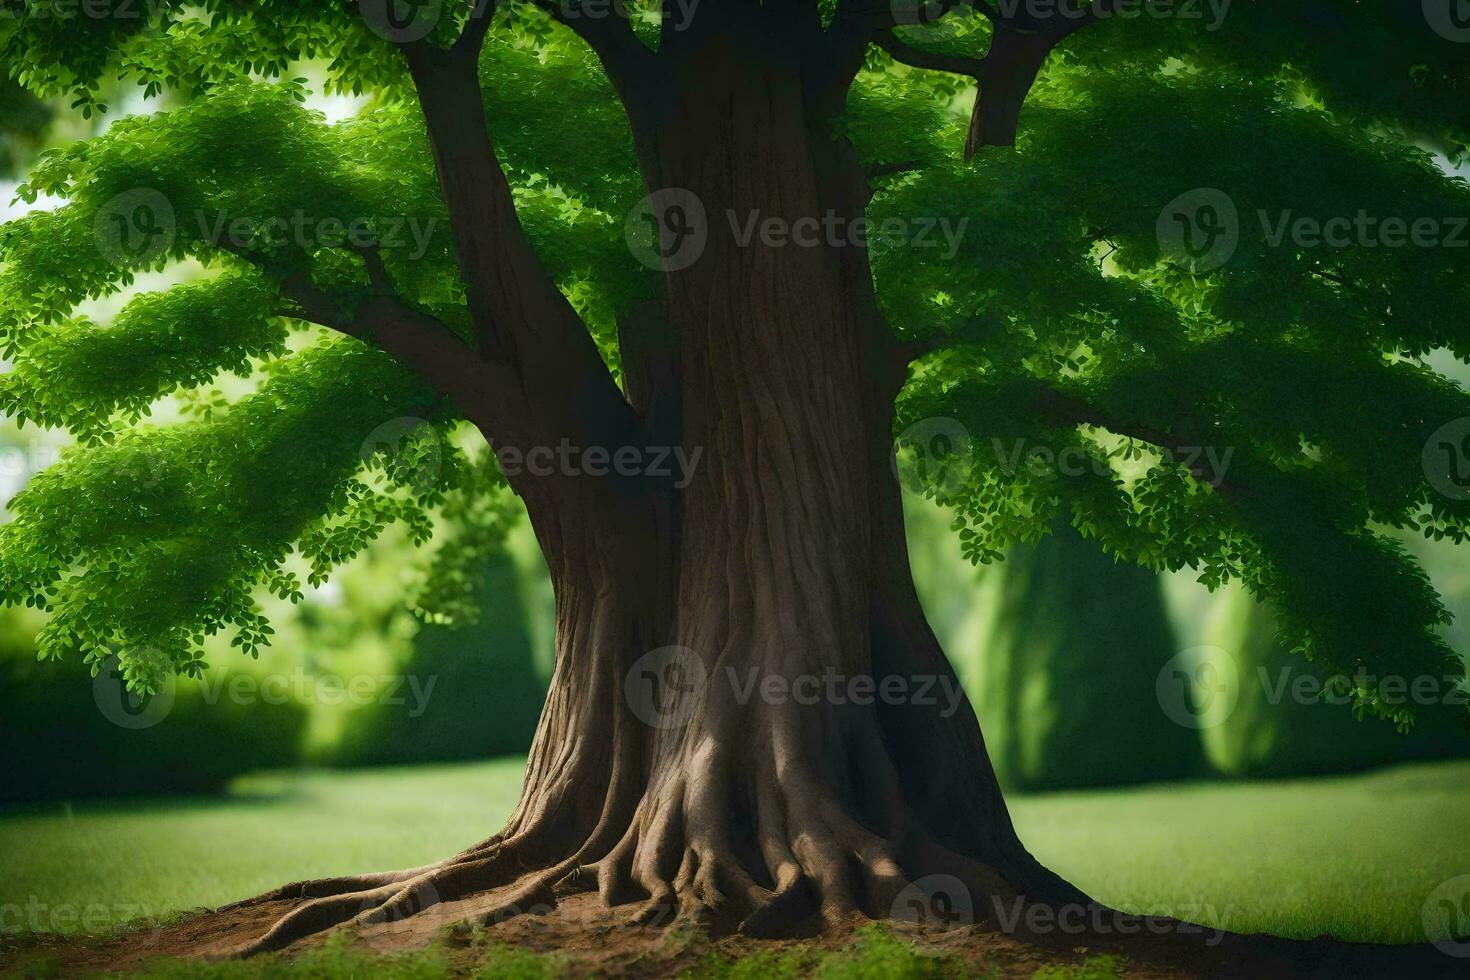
column 65, row 735
column 464, row 692
column 1270, row 720
column 1059, row 647
column 1065, row 674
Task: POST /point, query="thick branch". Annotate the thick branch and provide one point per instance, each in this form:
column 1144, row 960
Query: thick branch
column 1182, row 445
column 1011, row 66
column 418, row 341
column 1019, row 46
column 520, row 315
column 976, row 330
column 918, row 58
column 607, row 32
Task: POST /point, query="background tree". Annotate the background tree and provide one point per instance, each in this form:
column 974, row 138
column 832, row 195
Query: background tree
column 1067, row 680
column 1059, row 647
column 1060, row 318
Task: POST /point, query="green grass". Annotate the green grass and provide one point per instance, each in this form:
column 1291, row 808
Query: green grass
column 1354, row 857
column 874, row 954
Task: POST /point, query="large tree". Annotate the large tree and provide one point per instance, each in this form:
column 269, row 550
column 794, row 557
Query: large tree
column 753, row 326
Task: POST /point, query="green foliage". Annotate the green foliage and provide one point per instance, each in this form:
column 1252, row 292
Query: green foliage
column 145, row 545
column 1302, row 367
column 1092, row 968
column 1268, row 714
column 1060, row 321
column 63, row 743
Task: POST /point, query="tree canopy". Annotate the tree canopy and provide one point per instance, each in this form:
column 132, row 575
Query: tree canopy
column 1069, row 316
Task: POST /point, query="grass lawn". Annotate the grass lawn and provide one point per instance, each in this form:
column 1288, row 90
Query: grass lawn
column 1355, row 857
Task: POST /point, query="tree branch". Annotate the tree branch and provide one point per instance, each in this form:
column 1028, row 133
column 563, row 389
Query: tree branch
column 472, row 38
column 914, row 57
column 607, row 33
column 1019, row 45
column 418, row 341
column 1184, row 447
column 975, row 330
column 519, row 313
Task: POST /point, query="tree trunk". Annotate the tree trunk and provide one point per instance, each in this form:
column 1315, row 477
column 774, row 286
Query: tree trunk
column 750, row 722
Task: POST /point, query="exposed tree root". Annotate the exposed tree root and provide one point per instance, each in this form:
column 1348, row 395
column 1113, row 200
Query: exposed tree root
column 766, row 852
